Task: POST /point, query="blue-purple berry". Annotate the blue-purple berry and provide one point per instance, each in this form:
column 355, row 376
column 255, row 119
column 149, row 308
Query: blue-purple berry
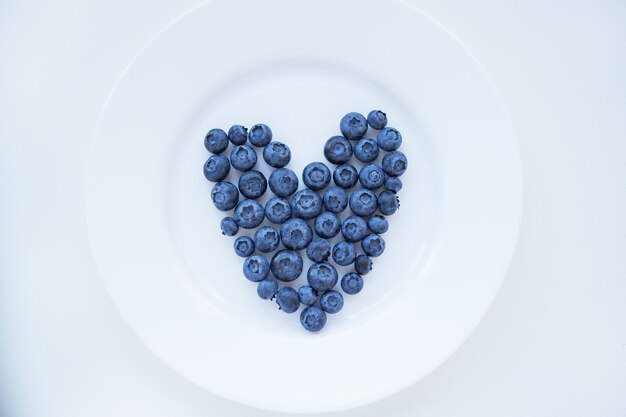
column 244, row 246
column 366, row 150
column 260, row 135
column 313, row 318
column 335, row 199
column 256, row 268
column 277, row 210
column 395, row 163
column 306, row 204
column 363, row 202
column 327, row 225
column 225, row 196
column 216, row 168
column 216, row 141
column 296, row 234
column 352, row 283
column 266, row 239
column 331, row 301
column 276, row 154
column 237, row 135
column 316, row 176
column 322, row 276
column 353, row 125
column 318, row 250
column 243, row 158
column 287, row 300
column 267, row 289
column 362, row 264
column 354, row 229
column 389, row 139
column 378, row 224
column 229, row 226
column 307, row 295
column 252, row 184
column 388, row 203
column 373, row 245
column 393, row 184
column 344, row 253
column 372, row 176
column 345, row 176
column 338, row 150
column 283, row 182
column 377, row 119
column 249, row 214
column 286, row 265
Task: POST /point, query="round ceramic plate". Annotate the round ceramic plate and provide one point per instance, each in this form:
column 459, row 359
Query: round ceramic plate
column 299, row 67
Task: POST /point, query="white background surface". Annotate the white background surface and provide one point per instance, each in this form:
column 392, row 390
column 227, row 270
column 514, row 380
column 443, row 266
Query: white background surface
column 553, row 343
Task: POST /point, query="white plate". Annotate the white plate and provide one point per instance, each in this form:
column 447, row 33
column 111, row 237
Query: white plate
column 299, row 66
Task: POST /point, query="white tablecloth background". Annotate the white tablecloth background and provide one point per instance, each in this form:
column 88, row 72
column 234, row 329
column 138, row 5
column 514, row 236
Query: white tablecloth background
column 554, row 341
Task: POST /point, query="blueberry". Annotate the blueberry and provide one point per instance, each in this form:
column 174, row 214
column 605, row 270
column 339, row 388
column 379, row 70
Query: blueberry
column 277, row 154
column 316, row 176
column 363, row 202
column 307, row 295
column 331, row 301
column 238, row 135
column 395, row 163
column 353, row 229
column 283, row 182
column 287, row 300
column 362, row 264
column 277, row 210
column 260, row 135
column 306, row 204
column 216, row 168
column 353, row 125
column 335, row 199
column 378, row 224
column 344, row 253
column 267, row 289
column 243, row 158
column 266, row 239
column 388, row 203
column 313, row 319
column 216, row 141
column 229, row 226
column 352, row 283
column 389, row 139
column 393, row 184
column 373, row 245
column 318, row 250
column 249, row 214
column 322, row 276
column 296, row 234
column 252, row 184
column 244, row 246
column 366, row 150
column 345, row 176
column 372, row 176
column 327, row 225
column 256, row 268
column 225, row 196
column 338, row 150
column 377, row 119
column 286, row 265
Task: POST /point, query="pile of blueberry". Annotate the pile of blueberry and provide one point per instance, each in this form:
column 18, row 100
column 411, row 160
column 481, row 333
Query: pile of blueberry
column 308, row 219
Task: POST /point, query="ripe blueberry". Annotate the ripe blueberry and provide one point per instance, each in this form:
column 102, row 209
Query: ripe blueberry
column 216, row 168
column 353, row 125
column 283, row 182
column 225, row 196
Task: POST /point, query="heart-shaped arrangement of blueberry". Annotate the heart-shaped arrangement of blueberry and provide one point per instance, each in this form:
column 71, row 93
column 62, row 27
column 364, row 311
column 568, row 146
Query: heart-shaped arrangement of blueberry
column 303, row 219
